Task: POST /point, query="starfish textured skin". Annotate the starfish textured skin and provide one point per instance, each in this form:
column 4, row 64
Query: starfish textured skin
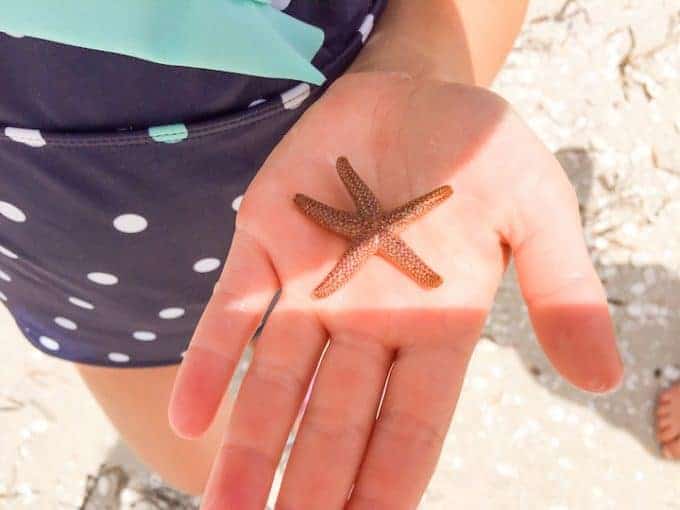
column 371, row 230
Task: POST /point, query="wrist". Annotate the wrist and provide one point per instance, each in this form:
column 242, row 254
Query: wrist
column 421, row 39
column 462, row 41
column 394, row 54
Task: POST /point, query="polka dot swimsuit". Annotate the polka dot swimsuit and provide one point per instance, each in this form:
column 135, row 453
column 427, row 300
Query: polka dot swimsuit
column 120, row 180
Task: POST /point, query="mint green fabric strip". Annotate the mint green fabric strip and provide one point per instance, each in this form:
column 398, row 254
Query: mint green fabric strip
column 242, row 36
column 171, row 133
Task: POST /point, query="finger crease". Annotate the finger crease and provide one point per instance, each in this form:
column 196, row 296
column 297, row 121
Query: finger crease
column 253, row 452
column 535, row 297
column 408, row 427
column 380, row 354
column 278, row 375
column 213, row 351
column 336, row 431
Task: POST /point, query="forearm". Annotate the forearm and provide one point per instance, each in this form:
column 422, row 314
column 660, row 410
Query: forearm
column 464, row 41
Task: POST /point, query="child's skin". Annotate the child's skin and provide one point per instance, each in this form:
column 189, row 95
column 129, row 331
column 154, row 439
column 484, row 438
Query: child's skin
column 410, row 117
column 668, row 421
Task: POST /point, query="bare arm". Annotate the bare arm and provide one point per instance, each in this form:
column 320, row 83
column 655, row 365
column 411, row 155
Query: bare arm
column 464, row 41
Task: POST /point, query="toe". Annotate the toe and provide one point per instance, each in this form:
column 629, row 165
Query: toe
column 665, row 435
column 663, row 410
column 671, row 450
column 665, row 396
column 665, row 422
column 670, row 393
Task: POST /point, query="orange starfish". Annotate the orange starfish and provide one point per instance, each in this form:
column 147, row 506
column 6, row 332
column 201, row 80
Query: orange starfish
column 371, row 230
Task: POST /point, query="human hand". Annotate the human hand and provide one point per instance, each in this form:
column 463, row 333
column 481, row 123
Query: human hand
column 405, row 137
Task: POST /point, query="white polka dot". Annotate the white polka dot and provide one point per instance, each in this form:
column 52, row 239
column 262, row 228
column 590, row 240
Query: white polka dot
column 280, row 4
column 182, row 353
column 130, row 223
column 5, row 276
column 206, row 265
column 119, row 357
column 102, row 278
column 366, row 27
column 31, row 137
column 8, row 253
column 296, row 96
column 14, row 34
column 65, row 323
column 171, row 313
column 81, row 303
column 145, row 336
column 3, row 297
column 12, row 212
column 256, row 102
column 49, row 343
column 236, row 203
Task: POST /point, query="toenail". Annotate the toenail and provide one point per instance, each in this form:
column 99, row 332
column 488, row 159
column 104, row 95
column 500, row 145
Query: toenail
column 601, row 387
column 667, row 452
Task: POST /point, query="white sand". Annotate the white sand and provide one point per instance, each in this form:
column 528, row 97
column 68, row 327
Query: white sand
column 522, row 438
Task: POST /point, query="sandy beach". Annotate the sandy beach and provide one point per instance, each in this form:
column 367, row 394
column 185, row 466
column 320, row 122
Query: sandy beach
column 599, row 82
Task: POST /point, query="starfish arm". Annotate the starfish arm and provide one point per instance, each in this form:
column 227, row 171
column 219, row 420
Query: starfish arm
column 349, row 263
column 418, row 207
column 340, row 222
column 396, row 251
column 366, row 202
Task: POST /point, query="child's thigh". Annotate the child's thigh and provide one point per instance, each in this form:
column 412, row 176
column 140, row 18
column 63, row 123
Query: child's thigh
column 136, row 402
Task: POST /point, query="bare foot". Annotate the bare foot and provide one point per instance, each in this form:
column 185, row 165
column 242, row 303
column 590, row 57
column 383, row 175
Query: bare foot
column 668, row 421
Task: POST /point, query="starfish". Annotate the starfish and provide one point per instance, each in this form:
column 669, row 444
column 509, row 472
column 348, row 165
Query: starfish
column 371, row 230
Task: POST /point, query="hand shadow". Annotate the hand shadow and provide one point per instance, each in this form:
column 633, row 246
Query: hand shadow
column 643, row 302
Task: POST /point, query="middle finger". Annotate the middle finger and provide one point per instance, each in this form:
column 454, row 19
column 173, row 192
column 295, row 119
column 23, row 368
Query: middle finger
column 337, row 424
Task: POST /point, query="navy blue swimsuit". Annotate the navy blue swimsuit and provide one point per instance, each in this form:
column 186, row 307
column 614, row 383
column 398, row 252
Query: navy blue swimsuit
column 120, row 180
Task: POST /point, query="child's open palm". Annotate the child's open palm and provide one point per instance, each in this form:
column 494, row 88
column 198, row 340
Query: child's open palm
column 404, row 137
